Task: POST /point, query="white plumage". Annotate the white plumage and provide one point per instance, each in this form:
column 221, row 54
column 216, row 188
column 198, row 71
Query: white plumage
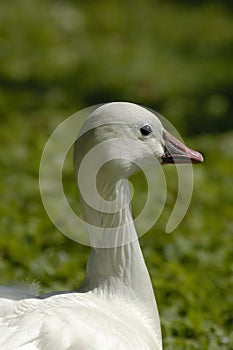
column 115, row 307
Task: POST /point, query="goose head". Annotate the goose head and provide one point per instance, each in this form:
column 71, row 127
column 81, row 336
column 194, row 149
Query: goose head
column 124, row 137
column 115, row 141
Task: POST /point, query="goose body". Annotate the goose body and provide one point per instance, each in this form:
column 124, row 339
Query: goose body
column 75, row 321
column 115, row 307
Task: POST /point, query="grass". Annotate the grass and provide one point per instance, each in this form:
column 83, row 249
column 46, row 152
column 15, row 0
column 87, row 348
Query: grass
column 176, row 57
column 191, row 268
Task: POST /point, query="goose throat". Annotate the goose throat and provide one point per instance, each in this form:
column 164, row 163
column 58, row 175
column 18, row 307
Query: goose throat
column 109, row 217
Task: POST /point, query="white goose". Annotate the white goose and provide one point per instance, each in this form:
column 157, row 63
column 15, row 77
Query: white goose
column 115, row 307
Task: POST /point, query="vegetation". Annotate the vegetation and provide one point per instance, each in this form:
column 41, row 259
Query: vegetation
column 173, row 56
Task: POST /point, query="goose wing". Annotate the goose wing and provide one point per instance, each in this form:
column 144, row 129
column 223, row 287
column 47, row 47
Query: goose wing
column 72, row 321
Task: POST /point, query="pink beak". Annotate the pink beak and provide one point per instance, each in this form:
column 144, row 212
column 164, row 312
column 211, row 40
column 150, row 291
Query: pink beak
column 176, row 152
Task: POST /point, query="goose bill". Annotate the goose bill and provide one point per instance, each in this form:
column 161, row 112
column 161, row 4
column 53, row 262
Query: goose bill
column 176, row 152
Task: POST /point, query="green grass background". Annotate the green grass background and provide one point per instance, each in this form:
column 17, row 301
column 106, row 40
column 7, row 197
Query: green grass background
column 58, row 57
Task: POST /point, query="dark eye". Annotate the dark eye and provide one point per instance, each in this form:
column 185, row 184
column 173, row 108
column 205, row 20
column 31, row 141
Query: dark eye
column 146, row 130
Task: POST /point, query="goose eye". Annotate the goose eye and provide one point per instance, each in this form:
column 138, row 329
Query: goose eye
column 146, row 130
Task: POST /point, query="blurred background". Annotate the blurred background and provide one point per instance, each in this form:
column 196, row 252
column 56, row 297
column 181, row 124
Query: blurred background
column 175, row 57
